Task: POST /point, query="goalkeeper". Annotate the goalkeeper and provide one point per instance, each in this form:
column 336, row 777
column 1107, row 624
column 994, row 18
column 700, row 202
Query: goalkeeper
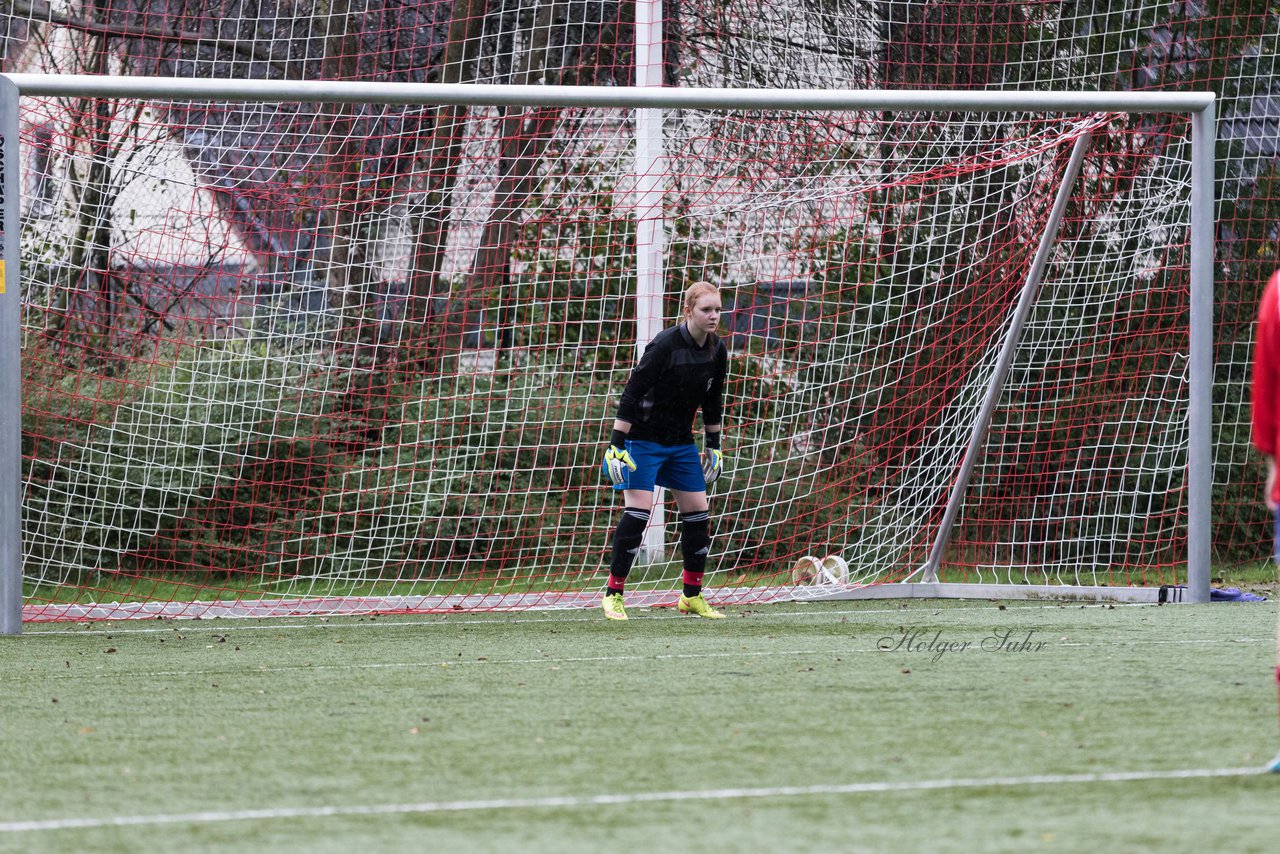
column 682, row 370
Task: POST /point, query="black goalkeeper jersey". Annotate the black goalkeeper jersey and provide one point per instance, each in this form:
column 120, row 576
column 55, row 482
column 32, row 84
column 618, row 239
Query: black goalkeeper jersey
column 675, row 378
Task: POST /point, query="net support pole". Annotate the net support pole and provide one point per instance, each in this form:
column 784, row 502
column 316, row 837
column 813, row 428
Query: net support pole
column 10, row 373
column 650, row 234
column 1030, row 288
column 1200, row 356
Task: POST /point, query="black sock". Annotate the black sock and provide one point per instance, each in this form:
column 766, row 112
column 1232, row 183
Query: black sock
column 627, row 538
column 695, row 543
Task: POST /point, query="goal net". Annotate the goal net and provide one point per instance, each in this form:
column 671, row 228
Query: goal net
column 292, row 356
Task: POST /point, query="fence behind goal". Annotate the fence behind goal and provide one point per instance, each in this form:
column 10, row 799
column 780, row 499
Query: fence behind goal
column 339, row 348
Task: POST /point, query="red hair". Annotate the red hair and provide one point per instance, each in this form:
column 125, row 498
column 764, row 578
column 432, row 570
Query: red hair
column 695, row 292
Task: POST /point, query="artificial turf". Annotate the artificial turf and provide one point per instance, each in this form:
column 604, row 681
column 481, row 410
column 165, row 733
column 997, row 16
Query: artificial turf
column 872, row 726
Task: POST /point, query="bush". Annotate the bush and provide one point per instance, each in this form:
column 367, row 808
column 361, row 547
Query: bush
column 120, row 481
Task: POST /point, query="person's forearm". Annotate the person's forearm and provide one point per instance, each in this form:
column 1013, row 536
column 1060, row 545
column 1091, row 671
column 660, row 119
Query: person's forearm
column 620, row 430
column 1270, row 485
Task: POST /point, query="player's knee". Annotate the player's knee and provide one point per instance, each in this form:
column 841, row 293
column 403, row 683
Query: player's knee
column 695, row 534
column 630, row 531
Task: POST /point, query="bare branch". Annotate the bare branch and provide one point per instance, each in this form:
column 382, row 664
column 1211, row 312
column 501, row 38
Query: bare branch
column 40, row 11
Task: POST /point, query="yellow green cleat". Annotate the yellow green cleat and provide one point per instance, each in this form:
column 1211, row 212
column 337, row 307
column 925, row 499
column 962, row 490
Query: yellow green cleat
column 613, row 608
column 699, row 606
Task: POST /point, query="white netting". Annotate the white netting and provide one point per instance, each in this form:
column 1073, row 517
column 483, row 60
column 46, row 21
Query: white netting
column 376, row 269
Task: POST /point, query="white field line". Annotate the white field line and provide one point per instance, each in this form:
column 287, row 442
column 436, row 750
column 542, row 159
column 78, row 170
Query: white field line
column 579, row 801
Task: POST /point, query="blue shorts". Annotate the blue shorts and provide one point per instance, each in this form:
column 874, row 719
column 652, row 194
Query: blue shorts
column 1275, row 541
column 677, row 467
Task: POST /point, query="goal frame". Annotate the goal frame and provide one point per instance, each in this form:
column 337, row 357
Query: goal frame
column 1199, row 106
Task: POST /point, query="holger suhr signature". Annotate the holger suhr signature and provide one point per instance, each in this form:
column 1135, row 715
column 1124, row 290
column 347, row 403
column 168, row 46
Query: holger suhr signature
column 932, row 641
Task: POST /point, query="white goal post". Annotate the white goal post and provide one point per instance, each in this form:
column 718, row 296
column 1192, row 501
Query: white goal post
column 1199, row 369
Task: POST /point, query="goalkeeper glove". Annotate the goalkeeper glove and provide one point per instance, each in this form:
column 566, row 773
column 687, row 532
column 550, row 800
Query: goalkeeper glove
column 617, row 461
column 712, row 459
column 712, row 465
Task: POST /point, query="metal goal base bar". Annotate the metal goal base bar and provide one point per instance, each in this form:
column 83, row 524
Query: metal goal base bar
column 1006, row 592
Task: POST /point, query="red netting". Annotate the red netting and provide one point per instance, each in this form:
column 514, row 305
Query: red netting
column 292, row 352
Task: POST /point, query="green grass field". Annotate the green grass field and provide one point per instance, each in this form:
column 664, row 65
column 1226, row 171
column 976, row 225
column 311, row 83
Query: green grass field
column 873, row 726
